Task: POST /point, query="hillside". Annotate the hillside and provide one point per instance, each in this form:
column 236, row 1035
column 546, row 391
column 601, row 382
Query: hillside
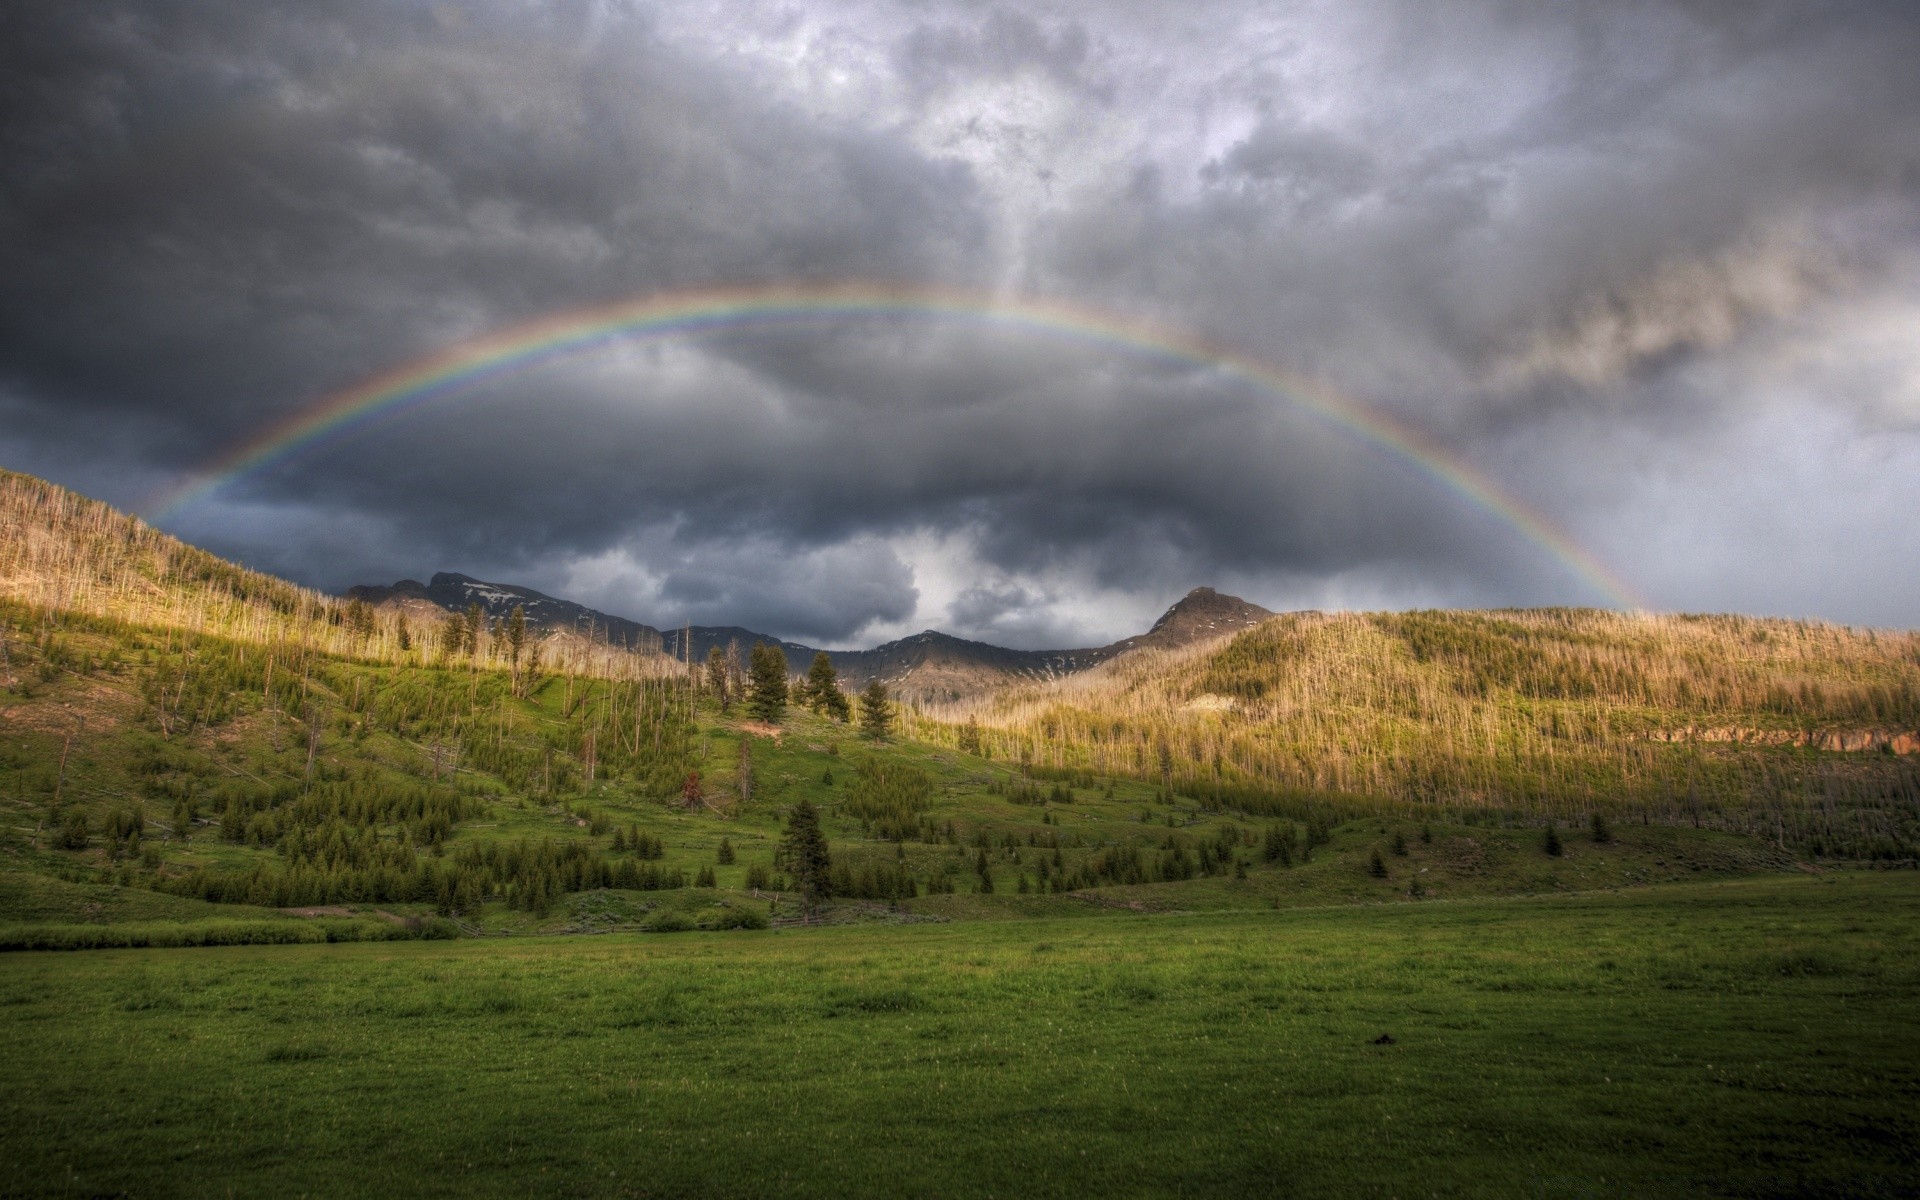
column 61, row 552
column 1798, row 731
column 230, row 743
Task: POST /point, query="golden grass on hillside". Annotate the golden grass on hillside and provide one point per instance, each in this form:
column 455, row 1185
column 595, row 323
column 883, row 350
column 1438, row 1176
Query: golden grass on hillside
column 1550, row 712
column 63, row 552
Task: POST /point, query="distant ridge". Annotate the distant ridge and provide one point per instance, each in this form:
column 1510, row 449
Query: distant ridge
column 925, row 666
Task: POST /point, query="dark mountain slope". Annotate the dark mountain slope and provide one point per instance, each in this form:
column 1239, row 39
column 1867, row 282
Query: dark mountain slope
column 926, row 666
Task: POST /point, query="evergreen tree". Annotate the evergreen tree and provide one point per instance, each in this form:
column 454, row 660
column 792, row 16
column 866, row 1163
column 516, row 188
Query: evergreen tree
column 1377, row 866
column 876, row 711
column 822, row 688
column 1551, row 842
column 717, row 677
column 1602, row 832
column 767, row 683
column 805, row 850
column 517, row 644
column 453, row 636
column 476, row 629
column 970, row 737
column 724, row 856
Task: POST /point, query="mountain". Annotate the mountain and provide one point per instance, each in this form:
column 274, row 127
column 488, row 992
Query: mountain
column 179, row 677
column 928, row 666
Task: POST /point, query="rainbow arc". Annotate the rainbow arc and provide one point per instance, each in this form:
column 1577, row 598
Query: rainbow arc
column 687, row 313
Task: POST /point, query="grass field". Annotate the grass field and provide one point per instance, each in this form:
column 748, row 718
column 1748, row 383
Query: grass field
column 1744, row 1037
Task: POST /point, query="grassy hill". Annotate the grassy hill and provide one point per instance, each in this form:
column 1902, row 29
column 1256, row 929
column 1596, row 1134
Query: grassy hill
column 172, row 723
column 1804, row 733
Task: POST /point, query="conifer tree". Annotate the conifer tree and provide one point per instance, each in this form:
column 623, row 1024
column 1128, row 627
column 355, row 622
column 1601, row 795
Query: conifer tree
column 876, row 711
column 516, row 644
column 717, row 677
column 805, row 850
column 767, row 682
column 822, row 686
column 476, row 629
column 1551, row 842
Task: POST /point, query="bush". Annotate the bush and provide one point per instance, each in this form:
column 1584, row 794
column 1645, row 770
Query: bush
column 735, row 918
column 266, row 932
column 667, row 920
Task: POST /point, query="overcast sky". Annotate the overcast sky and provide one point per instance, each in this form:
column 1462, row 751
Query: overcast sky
column 1652, row 268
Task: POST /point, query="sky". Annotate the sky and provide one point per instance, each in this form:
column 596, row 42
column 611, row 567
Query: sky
column 1650, row 268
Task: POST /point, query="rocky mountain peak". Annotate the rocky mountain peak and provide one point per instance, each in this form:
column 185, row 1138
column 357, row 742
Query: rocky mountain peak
column 1203, row 613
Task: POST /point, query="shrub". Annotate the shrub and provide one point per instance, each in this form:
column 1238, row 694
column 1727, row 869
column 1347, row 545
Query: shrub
column 735, row 918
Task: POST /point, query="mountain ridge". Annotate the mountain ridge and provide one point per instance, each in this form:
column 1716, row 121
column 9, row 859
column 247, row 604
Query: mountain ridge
column 929, row 665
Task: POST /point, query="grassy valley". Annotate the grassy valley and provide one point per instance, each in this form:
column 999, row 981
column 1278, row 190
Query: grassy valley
column 1467, row 902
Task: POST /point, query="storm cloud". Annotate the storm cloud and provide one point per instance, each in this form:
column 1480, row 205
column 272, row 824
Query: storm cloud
column 1653, row 268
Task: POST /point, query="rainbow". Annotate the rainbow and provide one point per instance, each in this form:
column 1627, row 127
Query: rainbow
column 681, row 313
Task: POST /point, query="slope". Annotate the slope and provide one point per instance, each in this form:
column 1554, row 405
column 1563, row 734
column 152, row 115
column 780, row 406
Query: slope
column 1804, row 732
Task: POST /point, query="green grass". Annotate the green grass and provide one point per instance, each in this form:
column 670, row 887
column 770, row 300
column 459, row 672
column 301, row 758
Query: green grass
column 1751, row 1037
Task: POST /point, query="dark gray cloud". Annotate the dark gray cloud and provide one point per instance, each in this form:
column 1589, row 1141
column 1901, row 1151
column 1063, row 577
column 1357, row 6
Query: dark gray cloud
column 1609, row 254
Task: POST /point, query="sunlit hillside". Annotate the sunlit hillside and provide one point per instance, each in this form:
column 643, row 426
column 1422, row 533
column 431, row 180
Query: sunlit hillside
column 63, row 552
column 1800, row 731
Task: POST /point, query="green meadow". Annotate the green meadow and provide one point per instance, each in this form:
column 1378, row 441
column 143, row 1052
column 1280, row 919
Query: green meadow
column 1744, row 1037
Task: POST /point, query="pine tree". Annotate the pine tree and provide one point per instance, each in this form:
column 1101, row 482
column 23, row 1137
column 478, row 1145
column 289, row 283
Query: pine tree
column 724, row 856
column 970, row 737
column 876, row 711
column 1377, row 866
column 805, row 850
column 985, row 873
column 1551, row 842
column 717, row 677
column 822, row 688
column 1602, row 832
column 767, row 682
column 476, row 629
column 516, row 644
